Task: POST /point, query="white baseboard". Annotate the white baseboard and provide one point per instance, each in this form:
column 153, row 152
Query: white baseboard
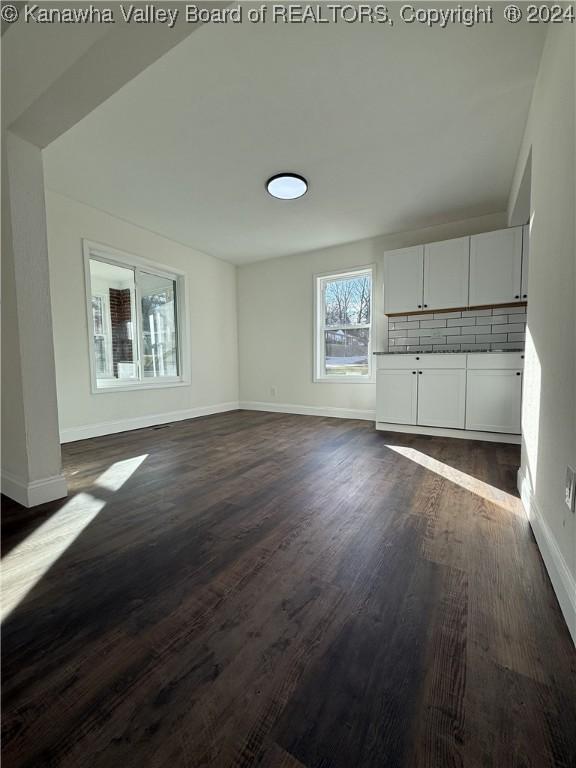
column 462, row 434
column 309, row 410
column 563, row 581
column 71, row 434
column 30, row 494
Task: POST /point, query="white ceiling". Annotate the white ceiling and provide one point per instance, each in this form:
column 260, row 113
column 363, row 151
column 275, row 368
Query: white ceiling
column 396, row 128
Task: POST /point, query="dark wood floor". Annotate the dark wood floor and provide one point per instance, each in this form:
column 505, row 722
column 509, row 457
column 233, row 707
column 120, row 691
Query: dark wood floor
column 275, row 590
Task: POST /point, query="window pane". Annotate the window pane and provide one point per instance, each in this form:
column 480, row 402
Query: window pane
column 113, row 310
column 101, row 356
column 347, row 300
column 346, row 352
column 159, row 326
column 98, row 314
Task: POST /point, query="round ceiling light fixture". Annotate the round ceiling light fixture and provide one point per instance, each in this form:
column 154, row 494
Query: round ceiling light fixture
column 287, row 186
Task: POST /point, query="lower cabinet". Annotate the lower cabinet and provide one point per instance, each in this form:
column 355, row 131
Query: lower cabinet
column 478, row 392
column 397, row 396
column 433, row 398
column 493, row 402
column 441, row 398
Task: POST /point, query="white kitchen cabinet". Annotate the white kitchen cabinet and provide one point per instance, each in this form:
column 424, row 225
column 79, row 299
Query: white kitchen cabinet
column 446, row 273
column 525, row 257
column 396, row 396
column 403, row 280
column 441, row 398
column 493, row 400
column 496, row 267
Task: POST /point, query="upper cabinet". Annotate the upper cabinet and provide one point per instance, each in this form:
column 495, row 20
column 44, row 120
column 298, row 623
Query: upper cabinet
column 446, row 268
column 496, row 267
column 486, row 269
column 525, row 256
column 403, row 275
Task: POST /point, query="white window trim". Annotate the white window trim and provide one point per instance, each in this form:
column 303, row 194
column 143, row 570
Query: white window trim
column 319, row 348
column 106, row 253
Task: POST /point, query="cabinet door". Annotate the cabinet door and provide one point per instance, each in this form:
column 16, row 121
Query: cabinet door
column 525, row 257
column 396, row 396
column 403, row 280
column 441, row 398
column 496, row 267
column 446, row 273
column 493, row 401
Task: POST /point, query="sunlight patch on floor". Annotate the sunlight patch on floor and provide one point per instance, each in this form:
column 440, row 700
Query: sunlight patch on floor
column 30, row 560
column 116, row 475
column 26, row 564
column 468, row 482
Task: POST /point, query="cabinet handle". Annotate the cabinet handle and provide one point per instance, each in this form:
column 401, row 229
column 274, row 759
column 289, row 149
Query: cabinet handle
column 417, row 359
column 517, row 373
column 420, row 372
column 425, row 305
column 521, row 357
column 517, row 296
column 413, row 371
column 525, row 296
column 419, row 306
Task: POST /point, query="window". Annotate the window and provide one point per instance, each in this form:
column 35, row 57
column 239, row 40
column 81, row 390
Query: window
column 343, row 326
column 134, row 310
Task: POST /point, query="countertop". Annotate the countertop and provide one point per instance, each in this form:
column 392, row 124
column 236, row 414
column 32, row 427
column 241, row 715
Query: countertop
column 451, row 352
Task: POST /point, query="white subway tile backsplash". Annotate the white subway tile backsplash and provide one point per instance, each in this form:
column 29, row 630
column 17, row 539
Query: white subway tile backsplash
column 473, row 329
column 461, row 321
column 492, row 337
column 510, row 328
column 433, row 339
column 433, row 324
column 463, row 340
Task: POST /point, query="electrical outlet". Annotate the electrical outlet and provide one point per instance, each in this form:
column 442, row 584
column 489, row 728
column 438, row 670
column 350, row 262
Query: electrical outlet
column 571, row 489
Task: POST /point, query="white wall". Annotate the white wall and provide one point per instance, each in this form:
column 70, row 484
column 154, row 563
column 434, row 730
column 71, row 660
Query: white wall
column 549, row 410
column 276, row 320
column 213, row 325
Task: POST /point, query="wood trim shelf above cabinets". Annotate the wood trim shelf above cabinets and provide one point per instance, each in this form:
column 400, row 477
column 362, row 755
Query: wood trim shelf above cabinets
column 458, row 309
column 484, row 270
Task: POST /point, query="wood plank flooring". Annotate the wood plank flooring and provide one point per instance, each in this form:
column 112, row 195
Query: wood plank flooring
column 258, row 589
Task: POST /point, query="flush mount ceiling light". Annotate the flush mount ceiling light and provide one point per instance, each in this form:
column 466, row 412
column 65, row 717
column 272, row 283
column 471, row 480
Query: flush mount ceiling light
column 287, row 186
